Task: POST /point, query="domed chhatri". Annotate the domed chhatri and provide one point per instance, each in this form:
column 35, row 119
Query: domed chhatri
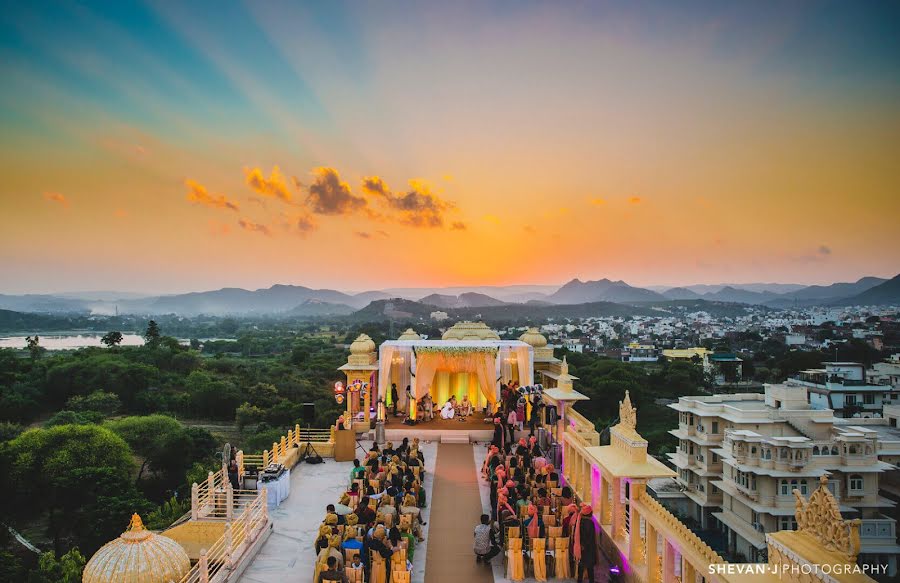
column 410, row 334
column 470, row 331
column 362, row 345
column 534, row 337
column 137, row 556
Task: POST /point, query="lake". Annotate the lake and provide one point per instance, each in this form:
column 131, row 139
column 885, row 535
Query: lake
column 74, row 341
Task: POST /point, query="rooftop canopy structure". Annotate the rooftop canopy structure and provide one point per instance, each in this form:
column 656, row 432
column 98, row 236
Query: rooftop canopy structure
column 443, row 368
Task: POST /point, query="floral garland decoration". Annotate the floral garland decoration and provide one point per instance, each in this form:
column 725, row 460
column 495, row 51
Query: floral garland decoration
column 457, row 350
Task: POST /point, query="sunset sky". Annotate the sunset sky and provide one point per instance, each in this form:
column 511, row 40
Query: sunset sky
column 186, row 146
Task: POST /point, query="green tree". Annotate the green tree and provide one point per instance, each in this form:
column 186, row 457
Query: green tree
column 98, row 401
column 152, row 334
column 248, row 414
column 66, row 569
column 70, row 466
column 112, row 339
column 159, row 440
column 34, row 346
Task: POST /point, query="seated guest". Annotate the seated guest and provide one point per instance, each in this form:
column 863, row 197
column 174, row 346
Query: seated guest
column 322, row 539
column 534, row 524
column 448, row 411
column 378, row 545
column 465, row 407
column 330, row 511
column 403, row 447
column 332, row 573
column 566, row 496
column 410, row 541
column 365, row 514
column 542, row 501
column 486, row 547
column 552, row 476
column 358, row 472
column 506, row 516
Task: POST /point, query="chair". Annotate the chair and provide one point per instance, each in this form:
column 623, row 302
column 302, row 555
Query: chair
column 513, row 532
column 398, row 560
column 538, row 555
column 556, row 492
column 549, row 520
column 561, row 558
column 354, row 575
column 398, row 576
column 515, row 566
column 377, row 573
column 405, row 521
column 388, row 520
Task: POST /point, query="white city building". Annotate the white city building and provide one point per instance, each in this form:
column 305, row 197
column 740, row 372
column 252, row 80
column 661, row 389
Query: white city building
column 741, row 456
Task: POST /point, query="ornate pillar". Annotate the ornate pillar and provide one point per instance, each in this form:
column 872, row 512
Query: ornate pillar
column 635, row 541
column 668, row 573
column 608, row 493
column 603, row 488
column 618, row 514
column 688, row 572
column 653, row 575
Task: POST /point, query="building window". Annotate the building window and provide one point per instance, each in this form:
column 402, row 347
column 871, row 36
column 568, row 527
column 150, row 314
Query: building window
column 834, row 450
column 788, row 523
column 785, row 490
column 715, row 457
column 815, row 450
column 869, row 399
column 856, row 483
column 715, row 427
column 803, row 487
column 850, row 400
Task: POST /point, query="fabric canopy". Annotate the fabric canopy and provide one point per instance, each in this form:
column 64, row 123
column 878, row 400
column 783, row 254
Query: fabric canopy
column 481, row 362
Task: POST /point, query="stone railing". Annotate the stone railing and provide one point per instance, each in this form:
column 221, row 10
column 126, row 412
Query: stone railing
column 652, row 511
column 286, row 450
column 221, row 562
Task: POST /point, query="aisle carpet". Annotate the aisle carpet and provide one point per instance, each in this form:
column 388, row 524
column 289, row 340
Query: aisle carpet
column 455, row 510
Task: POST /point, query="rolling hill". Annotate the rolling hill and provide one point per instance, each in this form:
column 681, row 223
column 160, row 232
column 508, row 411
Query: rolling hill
column 603, row 290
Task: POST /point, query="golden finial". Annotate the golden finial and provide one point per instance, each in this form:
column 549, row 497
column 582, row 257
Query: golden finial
column 820, row 517
column 136, row 523
column 564, row 367
column 627, row 413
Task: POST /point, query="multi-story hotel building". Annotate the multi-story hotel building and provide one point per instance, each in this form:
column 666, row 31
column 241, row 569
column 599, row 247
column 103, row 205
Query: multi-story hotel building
column 741, row 456
column 844, row 388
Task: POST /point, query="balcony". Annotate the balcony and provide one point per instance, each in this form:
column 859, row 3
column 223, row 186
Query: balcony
column 880, row 529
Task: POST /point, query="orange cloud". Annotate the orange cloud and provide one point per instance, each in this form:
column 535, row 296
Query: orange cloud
column 57, row 198
column 197, row 193
column 120, row 214
column 418, row 207
column 274, row 185
column 597, row 201
column 635, row 200
column 458, row 226
column 329, row 195
column 254, row 227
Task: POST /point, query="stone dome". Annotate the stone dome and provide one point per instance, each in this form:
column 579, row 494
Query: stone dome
column 137, row 556
column 410, row 334
column 470, row 331
column 534, row 337
column 362, row 345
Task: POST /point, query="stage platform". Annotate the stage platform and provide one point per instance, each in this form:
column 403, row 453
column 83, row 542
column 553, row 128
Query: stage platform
column 441, row 430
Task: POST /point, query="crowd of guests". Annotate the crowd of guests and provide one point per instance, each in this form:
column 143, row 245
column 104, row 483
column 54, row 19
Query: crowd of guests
column 534, row 515
column 371, row 534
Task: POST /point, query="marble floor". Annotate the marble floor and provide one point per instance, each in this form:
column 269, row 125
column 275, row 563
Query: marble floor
column 288, row 555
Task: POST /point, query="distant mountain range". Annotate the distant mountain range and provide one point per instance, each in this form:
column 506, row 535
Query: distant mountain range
column 300, row 301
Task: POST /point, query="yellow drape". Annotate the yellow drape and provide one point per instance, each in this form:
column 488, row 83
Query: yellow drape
column 515, row 562
column 458, row 384
column 561, row 558
column 539, row 558
column 481, row 363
